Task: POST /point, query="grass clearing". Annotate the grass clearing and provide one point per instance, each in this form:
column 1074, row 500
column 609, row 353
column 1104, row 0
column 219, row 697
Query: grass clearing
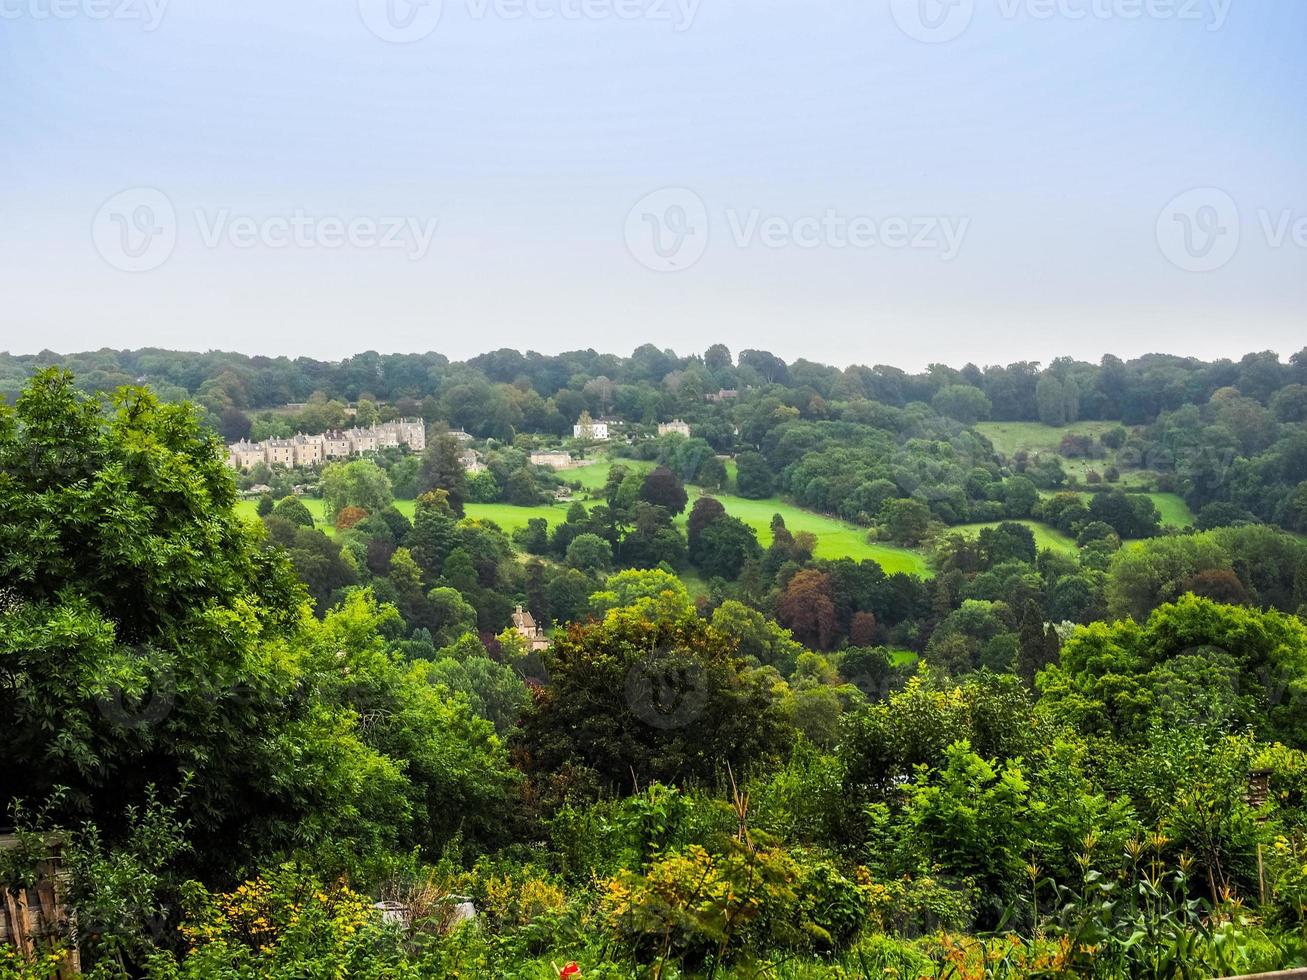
column 510, row 517
column 1011, row 437
column 1045, row 536
column 1174, row 511
column 594, row 475
column 835, row 538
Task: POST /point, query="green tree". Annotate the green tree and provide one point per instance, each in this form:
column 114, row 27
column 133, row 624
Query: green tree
column 442, row 469
column 634, row 700
column 753, row 477
column 724, row 546
column 292, row 509
column 663, row 489
column 590, row 553
column 359, row 483
column 962, row 402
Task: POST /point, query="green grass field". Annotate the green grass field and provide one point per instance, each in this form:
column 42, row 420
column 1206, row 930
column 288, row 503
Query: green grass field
column 595, row 475
column 1045, row 536
column 1010, row 437
column 1175, row 512
column 835, row 539
column 1035, row 437
column 505, row 515
column 511, row 518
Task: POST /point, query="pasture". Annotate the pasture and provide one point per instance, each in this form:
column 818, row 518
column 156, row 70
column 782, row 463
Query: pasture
column 1045, row 536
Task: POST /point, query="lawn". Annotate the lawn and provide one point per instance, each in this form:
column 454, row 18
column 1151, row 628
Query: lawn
column 1010, row 437
column 505, row 515
column 511, row 518
column 594, row 475
column 1175, row 512
column 1045, row 536
column 835, row 539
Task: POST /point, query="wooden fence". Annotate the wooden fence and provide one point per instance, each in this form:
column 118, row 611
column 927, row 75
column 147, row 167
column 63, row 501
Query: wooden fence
column 33, row 919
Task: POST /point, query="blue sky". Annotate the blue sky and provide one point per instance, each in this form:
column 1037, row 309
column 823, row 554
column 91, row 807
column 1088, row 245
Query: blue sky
column 845, row 186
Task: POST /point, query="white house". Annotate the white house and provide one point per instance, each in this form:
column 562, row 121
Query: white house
column 593, row 431
column 674, row 426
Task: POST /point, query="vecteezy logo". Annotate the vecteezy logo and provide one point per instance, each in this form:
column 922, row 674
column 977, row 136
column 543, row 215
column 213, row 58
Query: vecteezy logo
column 667, row 231
column 667, row 689
column 400, row 21
column 136, row 229
column 1199, row 230
column 933, row 21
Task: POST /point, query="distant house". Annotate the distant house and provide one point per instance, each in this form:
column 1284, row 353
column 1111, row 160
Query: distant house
column 281, row 452
column 526, row 627
column 460, row 435
column 563, row 493
column 674, row 426
column 335, row 445
column 305, row 450
column 556, row 460
column 242, row 455
column 471, row 461
column 590, row 430
column 726, row 394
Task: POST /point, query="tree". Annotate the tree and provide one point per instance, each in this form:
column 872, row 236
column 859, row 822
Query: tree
column 534, row 537
column 174, row 648
column 633, row 700
column 1034, row 651
column 590, row 553
column 452, row 616
column 235, row 425
column 717, row 358
column 712, row 474
column 1007, row 542
column 662, row 488
column 360, row 483
column 724, row 546
column 1192, row 663
column 292, row 509
column 753, row 477
column 964, row 403
column 807, row 609
column 906, row 520
column 482, row 488
column 1130, row 515
column 442, row 469
column 1019, row 496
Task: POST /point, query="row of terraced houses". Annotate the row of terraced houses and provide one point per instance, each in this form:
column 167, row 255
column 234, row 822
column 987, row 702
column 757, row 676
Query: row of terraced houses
column 304, row 450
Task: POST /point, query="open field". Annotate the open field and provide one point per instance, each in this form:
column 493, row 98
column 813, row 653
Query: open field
column 1010, row 437
column 1045, row 536
column 835, row 539
column 594, row 475
column 1035, row 437
column 510, row 518
column 1175, row 512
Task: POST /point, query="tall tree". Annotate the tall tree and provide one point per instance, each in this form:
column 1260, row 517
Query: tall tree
column 442, row 469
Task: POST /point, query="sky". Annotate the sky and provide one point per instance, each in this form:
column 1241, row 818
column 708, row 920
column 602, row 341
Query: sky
column 852, row 181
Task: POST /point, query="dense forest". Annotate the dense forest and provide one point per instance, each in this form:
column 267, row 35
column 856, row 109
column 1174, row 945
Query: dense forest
column 288, row 723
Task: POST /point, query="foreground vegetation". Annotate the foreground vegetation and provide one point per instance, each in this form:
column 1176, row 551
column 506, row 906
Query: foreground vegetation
column 246, row 733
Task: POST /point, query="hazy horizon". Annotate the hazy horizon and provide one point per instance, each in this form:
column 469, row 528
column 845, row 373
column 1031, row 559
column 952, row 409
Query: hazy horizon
column 735, row 352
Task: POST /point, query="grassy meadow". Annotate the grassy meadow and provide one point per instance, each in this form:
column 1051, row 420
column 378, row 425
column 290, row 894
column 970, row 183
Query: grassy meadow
column 1045, row 536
